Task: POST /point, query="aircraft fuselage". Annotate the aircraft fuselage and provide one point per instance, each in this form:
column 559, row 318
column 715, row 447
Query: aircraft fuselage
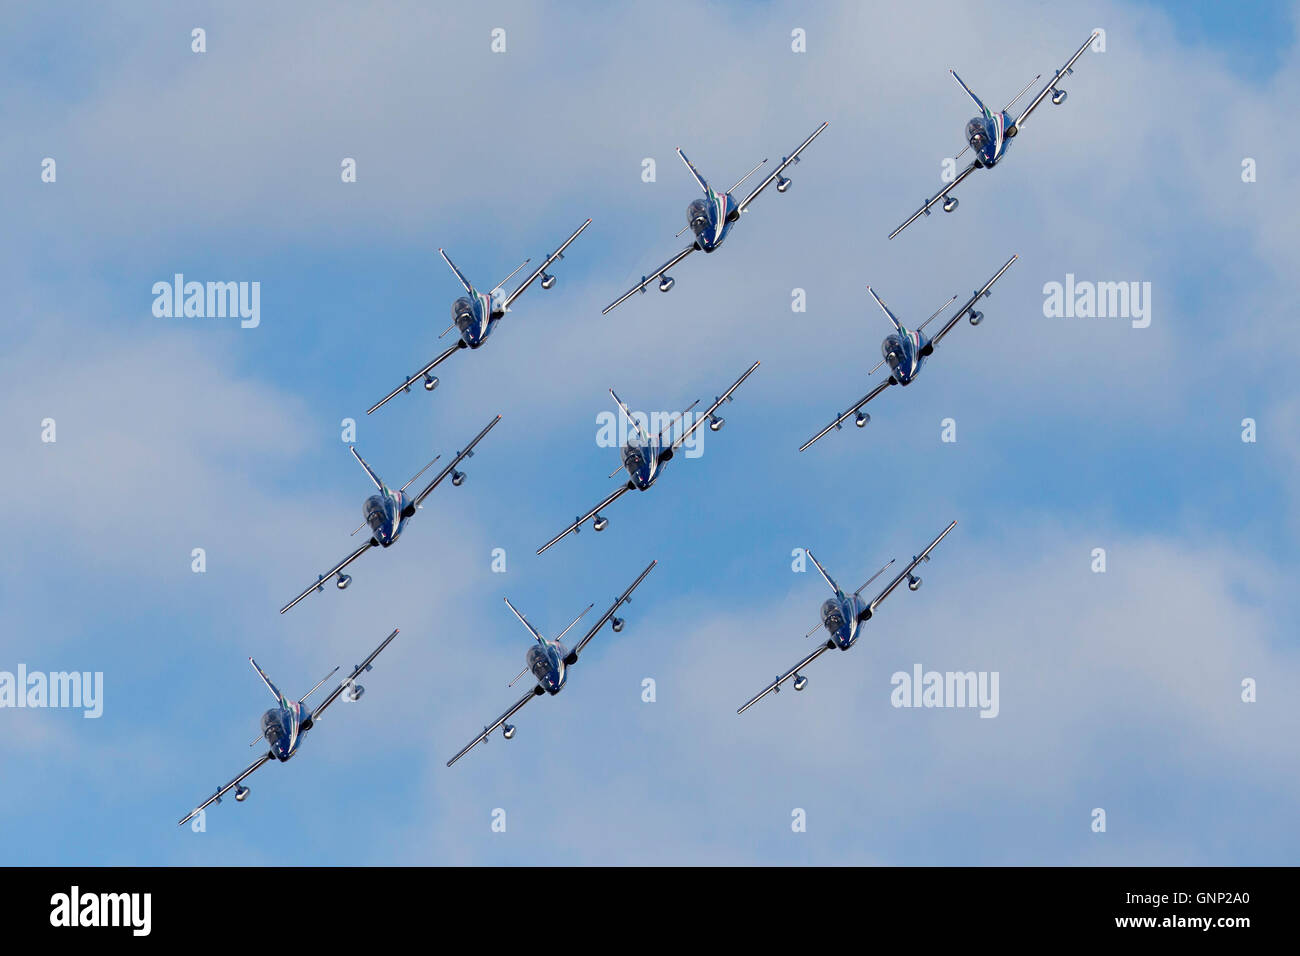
column 904, row 352
column 476, row 317
column 644, row 463
column 989, row 137
column 284, row 727
column 711, row 219
column 546, row 663
column 387, row 513
column 840, row 617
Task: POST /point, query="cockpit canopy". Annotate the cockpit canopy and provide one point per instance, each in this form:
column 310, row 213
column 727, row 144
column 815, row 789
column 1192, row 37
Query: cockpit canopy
column 832, row 615
column 539, row 665
column 976, row 133
column 892, row 350
column 699, row 215
column 275, row 728
column 381, row 515
column 462, row 312
column 546, row 667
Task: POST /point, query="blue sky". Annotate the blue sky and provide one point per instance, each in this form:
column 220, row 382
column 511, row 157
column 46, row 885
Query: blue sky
column 1120, row 690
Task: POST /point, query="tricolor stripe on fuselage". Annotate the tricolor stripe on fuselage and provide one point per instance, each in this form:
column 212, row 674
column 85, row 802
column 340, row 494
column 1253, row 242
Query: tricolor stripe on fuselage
column 720, row 221
column 998, row 127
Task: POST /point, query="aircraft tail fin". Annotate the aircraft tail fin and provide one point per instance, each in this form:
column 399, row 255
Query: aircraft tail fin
column 898, row 326
column 971, row 93
column 379, row 482
column 469, row 289
column 694, row 172
column 628, row 415
column 524, row 621
column 829, row 580
column 275, row 691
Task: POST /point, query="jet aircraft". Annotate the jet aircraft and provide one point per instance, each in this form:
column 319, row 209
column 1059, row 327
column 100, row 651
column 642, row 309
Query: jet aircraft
column 989, row 135
column 844, row 615
column 905, row 350
column 388, row 512
column 286, row 724
column 549, row 662
column 710, row 218
column 644, row 456
column 475, row 315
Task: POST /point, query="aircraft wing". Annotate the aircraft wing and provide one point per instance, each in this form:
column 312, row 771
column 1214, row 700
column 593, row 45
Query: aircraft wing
column 579, row 522
column 406, row 386
column 451, row 466
column 320, row 582
column 903, row 575
column 841, row 419
column 624, row 598
column 775, row 686
column 941, row 194
column 1051, row 84
column 646, row 280
column 224, row 790
column 776, row 173
column 557, row 254
column 518, row 706
column 351, row 678
column 708, row 412
column 980, row 293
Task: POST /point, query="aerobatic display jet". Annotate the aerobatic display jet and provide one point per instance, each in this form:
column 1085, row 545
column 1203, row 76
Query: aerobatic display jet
column 475, row 315
column 711, row 217
column 844, row 615
column 989, row 134
column 906, row 350
column 286, row 724
column 645, row 456
column 549, row 662
column 388, row 512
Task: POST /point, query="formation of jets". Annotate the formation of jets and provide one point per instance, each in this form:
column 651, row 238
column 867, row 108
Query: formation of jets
column 644, row 455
